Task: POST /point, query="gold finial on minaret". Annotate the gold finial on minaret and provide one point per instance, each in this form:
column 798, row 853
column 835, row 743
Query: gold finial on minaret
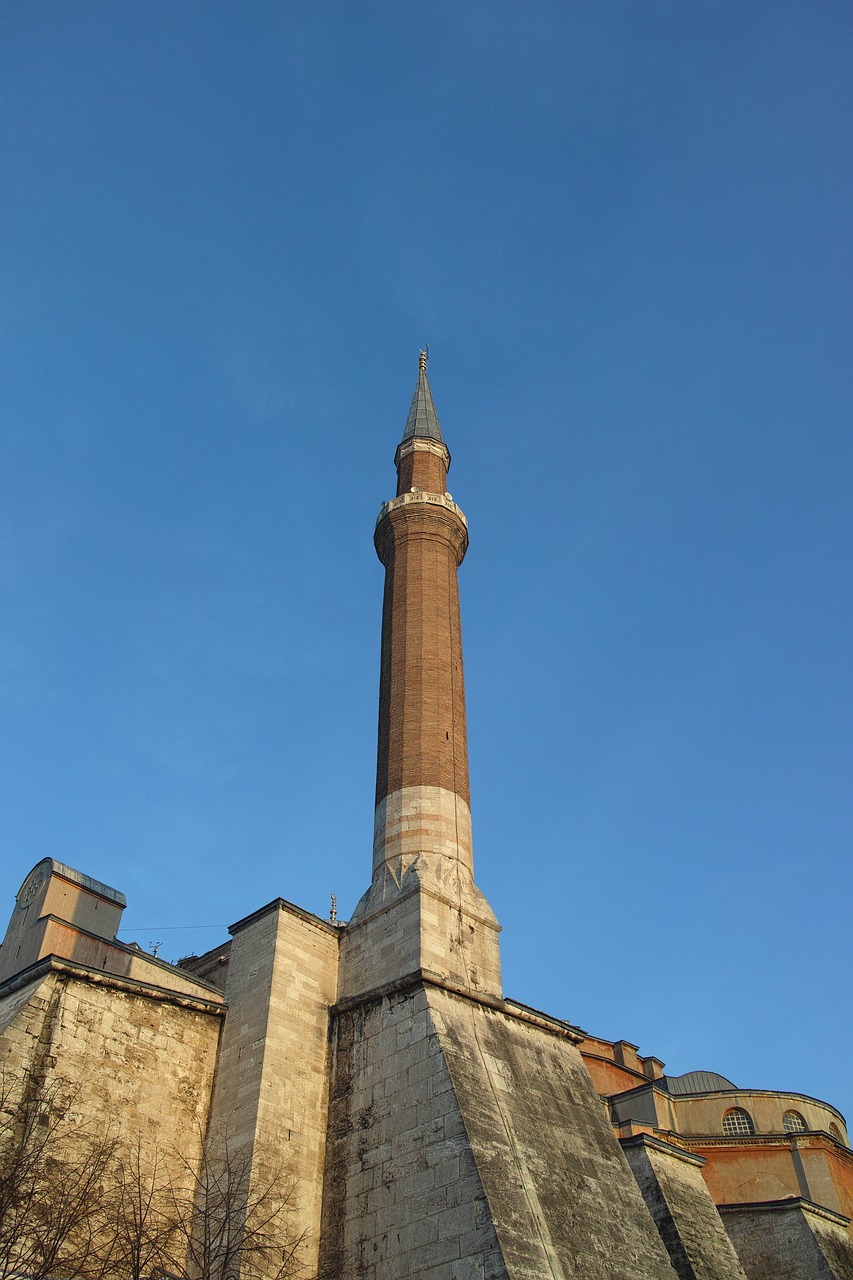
column 422, row 359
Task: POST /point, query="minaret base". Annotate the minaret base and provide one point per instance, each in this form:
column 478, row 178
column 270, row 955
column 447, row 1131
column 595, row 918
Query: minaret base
column 421, row 915
column 423, row 912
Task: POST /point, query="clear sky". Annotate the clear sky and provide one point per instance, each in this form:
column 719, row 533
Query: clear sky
column 624, row 227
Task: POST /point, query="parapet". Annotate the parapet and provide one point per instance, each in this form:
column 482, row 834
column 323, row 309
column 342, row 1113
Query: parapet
column 64, row 914
column 55, row 893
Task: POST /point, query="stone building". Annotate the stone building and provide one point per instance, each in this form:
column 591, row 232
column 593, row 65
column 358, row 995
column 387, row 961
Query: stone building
column 433, row 1127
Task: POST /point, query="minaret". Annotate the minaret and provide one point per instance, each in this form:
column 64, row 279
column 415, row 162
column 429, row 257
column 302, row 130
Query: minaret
column 465, row 1138
column 422, row 896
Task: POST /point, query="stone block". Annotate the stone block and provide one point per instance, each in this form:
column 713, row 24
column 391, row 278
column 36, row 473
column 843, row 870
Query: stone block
column 791, row 1239
column 486, row 1196
column 272, row 1077
column 670, row 1180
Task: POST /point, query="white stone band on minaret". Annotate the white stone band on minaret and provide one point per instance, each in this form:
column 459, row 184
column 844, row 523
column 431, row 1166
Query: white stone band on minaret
column 422, row 819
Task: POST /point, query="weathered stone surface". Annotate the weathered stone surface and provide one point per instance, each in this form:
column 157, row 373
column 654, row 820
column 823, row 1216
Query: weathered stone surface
column 561, row 1196
column 442, row 926
column 272, row 1077
column 403, row 1197
column 139, row 1064
column 467, row 1141
column 790, row 1240
column 678, row 1199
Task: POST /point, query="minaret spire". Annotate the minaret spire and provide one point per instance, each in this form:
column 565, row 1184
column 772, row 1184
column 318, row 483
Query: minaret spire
column 422, row 853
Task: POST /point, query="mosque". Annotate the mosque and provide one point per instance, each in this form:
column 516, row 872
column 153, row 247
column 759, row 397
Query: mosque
column 432, row 1127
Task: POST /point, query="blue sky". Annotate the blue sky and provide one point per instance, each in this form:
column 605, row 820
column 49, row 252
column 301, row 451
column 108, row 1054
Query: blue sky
column 624, row 229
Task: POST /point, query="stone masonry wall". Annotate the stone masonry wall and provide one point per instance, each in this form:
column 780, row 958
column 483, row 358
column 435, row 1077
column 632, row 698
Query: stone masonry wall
column 789, row 1240
column 382, row 947
column 402, row 1197
column 142, row 1067
column 835, row 1245
column 563, row 1200
column 272, row 1079
column 674, row 1190
column 456, row 940
column 467, row 1144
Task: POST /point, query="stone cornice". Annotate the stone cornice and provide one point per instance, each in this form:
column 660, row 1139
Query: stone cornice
column 788, row 1141
column 422, row 977
column 97, row 978
column 114, row 944
column 790, row 1202
column 421, row 444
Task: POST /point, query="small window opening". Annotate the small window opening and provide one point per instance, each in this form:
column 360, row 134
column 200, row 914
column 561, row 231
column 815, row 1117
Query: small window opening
column 793, row 1122
column 738, row 1123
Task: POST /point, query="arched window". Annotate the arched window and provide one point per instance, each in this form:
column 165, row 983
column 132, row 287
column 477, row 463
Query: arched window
column 793, row 1122
column 738, row 1123
column 836, row 1133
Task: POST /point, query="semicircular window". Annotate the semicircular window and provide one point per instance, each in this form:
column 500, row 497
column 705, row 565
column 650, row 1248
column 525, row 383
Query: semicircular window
column 836, row 1133
column 738, row 1123
column 793, row 1122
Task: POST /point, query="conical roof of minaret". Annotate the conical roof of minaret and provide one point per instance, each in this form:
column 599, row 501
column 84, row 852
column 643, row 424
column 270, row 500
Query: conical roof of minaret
column 422, row 422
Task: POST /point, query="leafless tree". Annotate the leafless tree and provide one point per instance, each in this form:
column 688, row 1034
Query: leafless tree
column 137, row 1220
column 52, row 1173
column 236, row 1220
column 81, row 1204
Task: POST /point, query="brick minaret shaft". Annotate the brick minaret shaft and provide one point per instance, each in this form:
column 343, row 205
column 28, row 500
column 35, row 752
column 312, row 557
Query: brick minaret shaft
column 422, row 913
column 422, row 789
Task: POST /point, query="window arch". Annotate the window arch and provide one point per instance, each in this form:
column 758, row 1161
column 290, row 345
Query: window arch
column 793, row 1122
column 738, row 1123
column 836, row 1133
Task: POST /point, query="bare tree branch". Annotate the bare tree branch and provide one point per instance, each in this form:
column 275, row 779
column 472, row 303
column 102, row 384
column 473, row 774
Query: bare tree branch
column 52, row 1173
column 81, row 1204
column 237, row 1219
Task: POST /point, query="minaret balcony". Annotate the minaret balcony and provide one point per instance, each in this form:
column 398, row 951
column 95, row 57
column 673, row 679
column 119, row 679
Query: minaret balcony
column 419, row 496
